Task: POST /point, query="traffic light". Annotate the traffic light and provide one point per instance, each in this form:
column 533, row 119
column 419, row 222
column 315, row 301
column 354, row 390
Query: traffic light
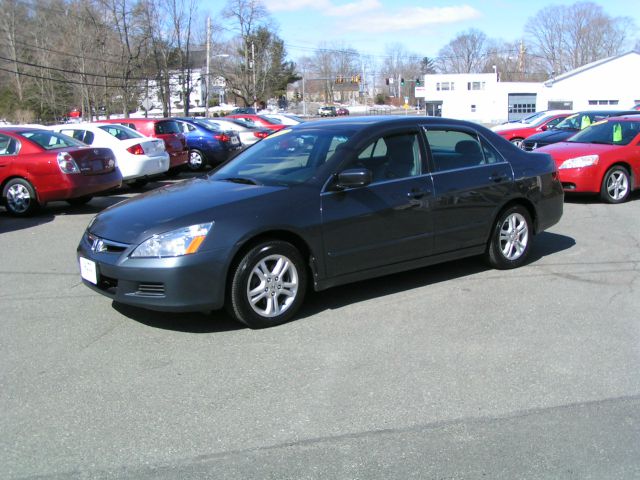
column 386, row 81
column 418, row 82
column 402, row 82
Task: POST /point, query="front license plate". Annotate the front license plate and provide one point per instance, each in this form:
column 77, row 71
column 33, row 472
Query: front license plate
column 88, row 270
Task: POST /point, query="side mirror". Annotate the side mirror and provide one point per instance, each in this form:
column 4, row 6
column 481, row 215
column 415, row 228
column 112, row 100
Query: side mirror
column 354, row 177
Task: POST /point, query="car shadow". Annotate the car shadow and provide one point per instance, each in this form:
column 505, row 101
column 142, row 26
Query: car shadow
column 545, row 244
column 189, row 322
column 590, row 198
column 9, row 223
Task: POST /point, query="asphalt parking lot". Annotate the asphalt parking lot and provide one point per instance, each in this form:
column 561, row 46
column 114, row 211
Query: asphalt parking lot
column 449, row 372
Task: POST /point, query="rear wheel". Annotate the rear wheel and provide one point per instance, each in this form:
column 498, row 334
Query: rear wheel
column 268, row 285
column 20, row 197
column 616, row 185
column 196, row 160
column 510, row 238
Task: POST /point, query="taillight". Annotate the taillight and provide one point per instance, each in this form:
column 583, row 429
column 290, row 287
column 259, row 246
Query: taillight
column 66, row 163
column 136, row 149
column 261, row 134
column 222, row 137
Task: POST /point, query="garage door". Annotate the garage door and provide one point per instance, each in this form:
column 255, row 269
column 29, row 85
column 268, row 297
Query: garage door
column 521, row 105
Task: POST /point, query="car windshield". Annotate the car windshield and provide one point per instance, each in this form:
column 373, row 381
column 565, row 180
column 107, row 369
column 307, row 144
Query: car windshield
column 207, row 125
column 608, row 133
column 579, row 121
column 120, row 132
column 532, row 118
column 51, row 140
column 287, row 157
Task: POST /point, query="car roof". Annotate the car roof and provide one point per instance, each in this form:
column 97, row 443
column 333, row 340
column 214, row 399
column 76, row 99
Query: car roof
column 626, row 117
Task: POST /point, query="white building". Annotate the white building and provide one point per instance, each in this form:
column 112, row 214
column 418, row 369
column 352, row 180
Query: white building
column 605, row 84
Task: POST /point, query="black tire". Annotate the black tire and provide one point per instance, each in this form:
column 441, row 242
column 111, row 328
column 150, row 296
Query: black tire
column 510, row 240
column 284, row 289
column 20, row 198
column 616, row 185
column 517, row 141
column 196, row 160
column 173, row 172
column 79, row 201
column 140, row 182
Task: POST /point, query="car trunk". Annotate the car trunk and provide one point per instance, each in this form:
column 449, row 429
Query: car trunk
column 94, row 161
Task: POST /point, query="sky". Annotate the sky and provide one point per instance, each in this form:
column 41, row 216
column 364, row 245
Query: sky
column 422, row 27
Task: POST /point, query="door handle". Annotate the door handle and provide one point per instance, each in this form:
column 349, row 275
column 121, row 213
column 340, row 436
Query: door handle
column 417, row 193
column 498, row 177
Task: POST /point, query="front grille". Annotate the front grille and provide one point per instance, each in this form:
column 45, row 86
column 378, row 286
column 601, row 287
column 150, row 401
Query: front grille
column 151, row 289
column 102, row 245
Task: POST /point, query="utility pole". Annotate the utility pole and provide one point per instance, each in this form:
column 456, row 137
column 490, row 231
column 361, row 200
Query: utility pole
column 304, row 95
column 253, row 68
column 207, row 78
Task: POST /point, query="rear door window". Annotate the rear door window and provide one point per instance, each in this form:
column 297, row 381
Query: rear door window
column 167, row 127
column 455, row 149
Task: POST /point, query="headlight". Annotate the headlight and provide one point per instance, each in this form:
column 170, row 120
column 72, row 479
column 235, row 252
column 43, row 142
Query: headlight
column 176, row 243
column 580, row 162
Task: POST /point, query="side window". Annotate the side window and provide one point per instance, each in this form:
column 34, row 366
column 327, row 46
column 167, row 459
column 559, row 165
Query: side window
column 8, row 145
column 554, row 122
column 453, row 149
column 490, row 153
column 392, row 157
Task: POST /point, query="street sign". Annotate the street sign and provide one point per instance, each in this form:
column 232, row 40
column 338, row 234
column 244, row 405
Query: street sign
column 421, row 92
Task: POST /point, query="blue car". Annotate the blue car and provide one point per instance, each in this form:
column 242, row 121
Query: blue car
column 207, row 144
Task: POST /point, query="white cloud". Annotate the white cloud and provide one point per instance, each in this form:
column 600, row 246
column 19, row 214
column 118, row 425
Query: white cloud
column 411, row 19
column 326, row 7
column 354, row 8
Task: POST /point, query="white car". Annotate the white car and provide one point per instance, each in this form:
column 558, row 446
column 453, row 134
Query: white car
column 532, row 119
column 285, row 118
column 138, row 157
column 248, row 136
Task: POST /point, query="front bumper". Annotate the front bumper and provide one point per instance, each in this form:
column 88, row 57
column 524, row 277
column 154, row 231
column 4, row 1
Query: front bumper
column 580, row 180
column 180, row 284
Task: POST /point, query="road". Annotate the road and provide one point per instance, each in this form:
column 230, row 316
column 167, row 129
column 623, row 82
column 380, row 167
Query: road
column 449, row 372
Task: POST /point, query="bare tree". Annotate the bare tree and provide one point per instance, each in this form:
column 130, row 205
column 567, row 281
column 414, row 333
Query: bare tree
column 464, row 54
column 567, row 37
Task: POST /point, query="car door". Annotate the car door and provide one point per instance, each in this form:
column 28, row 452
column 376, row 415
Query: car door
column 470, row 180
column 387, row 221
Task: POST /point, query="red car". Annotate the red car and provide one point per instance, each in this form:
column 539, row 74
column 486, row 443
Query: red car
column 259, row 121
column 603, row 158
column 517, row 131
column 38, row 166
column 166, row 129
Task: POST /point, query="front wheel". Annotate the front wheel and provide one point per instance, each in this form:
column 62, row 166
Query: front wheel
column 510, row 239
column 616, row 185
column 20, row 197
column 268, row 285
column 517, row 142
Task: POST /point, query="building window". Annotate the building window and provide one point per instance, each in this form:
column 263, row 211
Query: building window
column 522, row 108
column 473, row 108
column 475, row 85
column 603, row 102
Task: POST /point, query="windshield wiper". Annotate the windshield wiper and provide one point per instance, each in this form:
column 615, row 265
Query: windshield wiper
column 601, row 142
column 243, row 180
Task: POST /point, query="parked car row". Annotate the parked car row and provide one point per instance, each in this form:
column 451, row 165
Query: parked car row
column 74, row 162
column 595, row 151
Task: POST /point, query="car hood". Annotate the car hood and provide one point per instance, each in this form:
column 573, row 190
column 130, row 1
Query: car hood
column 552, row 136
column 562, row 151
column 196, row 201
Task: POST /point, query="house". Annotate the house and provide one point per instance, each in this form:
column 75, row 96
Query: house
column 482, row 97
